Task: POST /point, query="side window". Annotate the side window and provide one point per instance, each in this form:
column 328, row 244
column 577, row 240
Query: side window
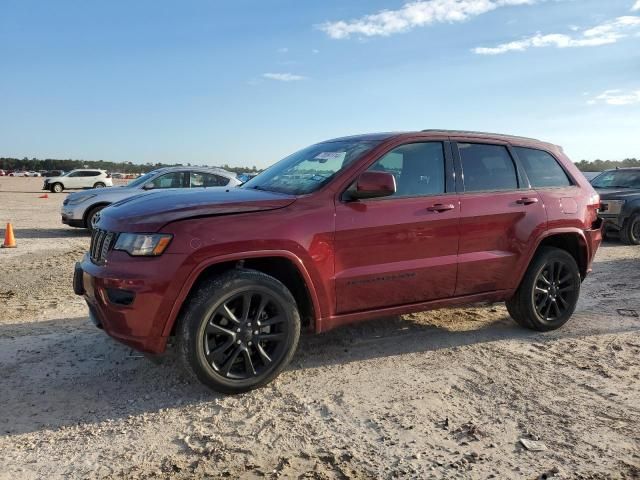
column 170, row 180
column 487, row 167
column 419, row 168
column 90, row 173
column 207, row 180
column 542, row 169
column 74, row 174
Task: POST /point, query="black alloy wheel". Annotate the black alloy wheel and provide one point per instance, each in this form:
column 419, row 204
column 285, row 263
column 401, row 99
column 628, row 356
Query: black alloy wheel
column 549, row 291
column 554, row 287
column 239, row 330
column 245, row 335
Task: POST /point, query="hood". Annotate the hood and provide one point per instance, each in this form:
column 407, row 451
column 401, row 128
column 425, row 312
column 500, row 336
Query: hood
column 618, row 193
column 150, row 211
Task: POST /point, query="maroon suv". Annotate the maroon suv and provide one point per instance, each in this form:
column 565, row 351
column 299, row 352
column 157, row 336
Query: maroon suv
column 342, row 231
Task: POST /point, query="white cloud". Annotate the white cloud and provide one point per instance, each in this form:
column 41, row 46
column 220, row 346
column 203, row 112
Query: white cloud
column 636, row 7
column 283, row 50
column 415, row 14
column 283, row 77
column 603, row 34
column 616, row 97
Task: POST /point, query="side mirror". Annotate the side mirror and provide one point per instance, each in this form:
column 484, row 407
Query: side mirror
column 148, row 186
column 373, row 185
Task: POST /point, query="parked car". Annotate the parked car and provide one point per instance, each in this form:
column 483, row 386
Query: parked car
column 245, row 177
column 32, row 173
column 619, row 191
column 54, row 173
column 339, row 232
column 591, row 175
column 2, row 173
column 80, row 209
column 80, row 178
column 18, row 174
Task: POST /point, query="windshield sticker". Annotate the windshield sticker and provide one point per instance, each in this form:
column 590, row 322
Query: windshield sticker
column 329, row 155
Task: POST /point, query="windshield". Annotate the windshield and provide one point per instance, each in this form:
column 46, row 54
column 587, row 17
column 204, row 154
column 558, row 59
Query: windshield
column 618, row 179
column 311, row 168
column 141, row 180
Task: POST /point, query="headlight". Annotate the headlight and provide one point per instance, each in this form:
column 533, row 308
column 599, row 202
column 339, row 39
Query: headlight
column 612, row 207
column 143, row 244
column 79, row 199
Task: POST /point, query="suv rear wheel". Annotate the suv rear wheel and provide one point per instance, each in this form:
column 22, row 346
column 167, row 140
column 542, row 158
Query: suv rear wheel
column 548, row 294
column 99, row 185
column 239, row 331
column 57, row 188
column 630, row 234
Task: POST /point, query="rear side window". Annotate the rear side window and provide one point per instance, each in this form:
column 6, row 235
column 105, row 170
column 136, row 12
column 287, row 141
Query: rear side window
column 89, row 173
column 199, row 179
column 542, row 169
column 418, row 167
column 170, row 180
column 487, row 167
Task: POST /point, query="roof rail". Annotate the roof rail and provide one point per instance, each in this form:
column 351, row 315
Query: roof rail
column 471, row 132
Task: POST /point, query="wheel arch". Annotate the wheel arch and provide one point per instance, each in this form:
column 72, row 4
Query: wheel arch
column 88, row 210
column 572, row 241
column 282, row 265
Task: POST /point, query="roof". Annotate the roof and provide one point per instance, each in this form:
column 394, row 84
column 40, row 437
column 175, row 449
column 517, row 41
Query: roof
column 194, row 167
column 365, row 137
column 479, row 134
column 445, row 132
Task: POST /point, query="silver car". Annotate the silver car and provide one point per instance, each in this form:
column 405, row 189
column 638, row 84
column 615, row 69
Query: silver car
column 79, row 209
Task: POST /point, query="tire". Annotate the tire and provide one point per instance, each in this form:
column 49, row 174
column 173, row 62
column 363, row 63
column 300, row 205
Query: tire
column 99, row 185
column 57, row 188
column 630, row 233
column 213, row 351
column 89, row 219
column 549, row 291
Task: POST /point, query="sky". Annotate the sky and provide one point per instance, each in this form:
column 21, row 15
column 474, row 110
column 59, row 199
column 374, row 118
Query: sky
column 247, row 82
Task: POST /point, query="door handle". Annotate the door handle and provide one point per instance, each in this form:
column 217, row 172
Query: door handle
column 526, row 201
column 441, row 207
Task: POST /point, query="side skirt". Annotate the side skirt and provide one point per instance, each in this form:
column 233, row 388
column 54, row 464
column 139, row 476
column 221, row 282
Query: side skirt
column 329, row 323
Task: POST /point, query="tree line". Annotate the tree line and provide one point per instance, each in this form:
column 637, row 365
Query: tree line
column 130, row 167
column 121, row 167
column 600, row 165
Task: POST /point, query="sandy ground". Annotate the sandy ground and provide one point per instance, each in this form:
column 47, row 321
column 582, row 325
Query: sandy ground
column 443, row 394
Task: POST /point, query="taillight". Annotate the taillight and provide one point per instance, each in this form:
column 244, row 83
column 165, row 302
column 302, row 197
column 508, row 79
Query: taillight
column 592, row 210
column 108, row 175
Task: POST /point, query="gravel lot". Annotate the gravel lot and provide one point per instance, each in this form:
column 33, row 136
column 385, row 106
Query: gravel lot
column 447, row 393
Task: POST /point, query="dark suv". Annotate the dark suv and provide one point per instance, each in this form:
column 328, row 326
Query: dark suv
column 339, row 232
column 619, row 191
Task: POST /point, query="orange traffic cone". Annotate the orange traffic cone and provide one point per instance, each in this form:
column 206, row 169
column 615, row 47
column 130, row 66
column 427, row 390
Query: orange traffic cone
column 46, row 195
column 9, row 239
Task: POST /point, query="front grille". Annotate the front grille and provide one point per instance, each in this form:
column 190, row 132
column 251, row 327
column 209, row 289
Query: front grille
column 101, row 243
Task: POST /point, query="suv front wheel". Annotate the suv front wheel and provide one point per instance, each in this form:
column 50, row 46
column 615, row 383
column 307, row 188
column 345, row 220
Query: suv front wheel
column 239, row 331
column 548, row 294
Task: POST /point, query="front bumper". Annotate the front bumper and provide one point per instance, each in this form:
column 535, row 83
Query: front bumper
column 131, row 298
column 74, row 217
column 612, row 222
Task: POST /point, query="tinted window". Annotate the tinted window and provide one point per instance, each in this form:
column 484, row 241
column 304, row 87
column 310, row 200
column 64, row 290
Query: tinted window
column 89, row 173
column 170, row 180
column 207, row 180
column 418, row 169
column 487, row 167
column 542, row 169
column 618, row 179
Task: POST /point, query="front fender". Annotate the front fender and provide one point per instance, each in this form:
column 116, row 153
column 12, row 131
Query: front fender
column 201, row 267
